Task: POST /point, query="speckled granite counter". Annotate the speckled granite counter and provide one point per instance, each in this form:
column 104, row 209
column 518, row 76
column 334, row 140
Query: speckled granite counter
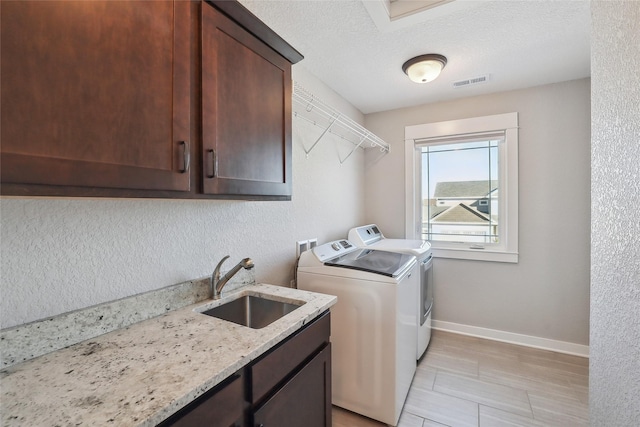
column 141, row 374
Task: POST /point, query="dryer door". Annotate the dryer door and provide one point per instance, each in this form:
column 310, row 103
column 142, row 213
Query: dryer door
column 426, row 288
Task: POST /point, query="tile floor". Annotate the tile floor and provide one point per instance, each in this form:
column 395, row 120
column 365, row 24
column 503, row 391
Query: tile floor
column 466, row 381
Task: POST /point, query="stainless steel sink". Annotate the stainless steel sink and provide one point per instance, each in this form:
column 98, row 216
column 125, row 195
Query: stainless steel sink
column 252, row 311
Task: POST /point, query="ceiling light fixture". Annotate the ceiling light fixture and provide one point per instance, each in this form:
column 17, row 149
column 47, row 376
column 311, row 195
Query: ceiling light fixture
column 424, row 68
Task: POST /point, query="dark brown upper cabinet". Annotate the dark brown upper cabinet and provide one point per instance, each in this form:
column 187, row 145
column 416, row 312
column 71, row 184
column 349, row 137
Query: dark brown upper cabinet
column 95, row 94
column 174, row 99
column 246, row 112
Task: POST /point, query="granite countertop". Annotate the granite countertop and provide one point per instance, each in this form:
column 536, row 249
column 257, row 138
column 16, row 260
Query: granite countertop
column 141, row 374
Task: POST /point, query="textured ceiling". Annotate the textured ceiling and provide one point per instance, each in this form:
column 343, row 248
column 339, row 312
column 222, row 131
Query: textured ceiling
column 519, row 43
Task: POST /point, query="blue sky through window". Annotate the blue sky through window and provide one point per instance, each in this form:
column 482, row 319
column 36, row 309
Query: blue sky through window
column 468, row 161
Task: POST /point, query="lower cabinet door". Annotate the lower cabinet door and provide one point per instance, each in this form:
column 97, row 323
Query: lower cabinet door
column 304, row 401
column 221, row 407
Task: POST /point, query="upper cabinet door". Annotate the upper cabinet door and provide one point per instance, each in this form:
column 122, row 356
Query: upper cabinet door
column 246, row 112
column 95, row 94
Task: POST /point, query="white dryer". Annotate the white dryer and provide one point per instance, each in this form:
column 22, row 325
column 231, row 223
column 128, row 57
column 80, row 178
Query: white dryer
column 370, row 236
column 373, row 324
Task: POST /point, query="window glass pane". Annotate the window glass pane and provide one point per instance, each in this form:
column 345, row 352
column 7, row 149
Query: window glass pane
column 460, row 194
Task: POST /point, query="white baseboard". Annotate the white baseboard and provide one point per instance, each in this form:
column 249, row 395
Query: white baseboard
column 513, row 338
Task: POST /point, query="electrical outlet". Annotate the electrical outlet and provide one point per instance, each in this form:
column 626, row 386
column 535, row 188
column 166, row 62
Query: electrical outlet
column 301, row 246
column 313, row 243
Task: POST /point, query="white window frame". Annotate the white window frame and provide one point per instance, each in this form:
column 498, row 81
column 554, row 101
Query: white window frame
column 507, row 250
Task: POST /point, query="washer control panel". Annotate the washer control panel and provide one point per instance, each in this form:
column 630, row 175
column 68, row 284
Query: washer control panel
column 333, row 249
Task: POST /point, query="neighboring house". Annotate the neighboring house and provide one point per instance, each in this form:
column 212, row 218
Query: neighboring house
column 463, row 211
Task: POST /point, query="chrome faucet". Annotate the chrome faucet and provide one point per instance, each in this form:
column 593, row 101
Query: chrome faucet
column 217, row 282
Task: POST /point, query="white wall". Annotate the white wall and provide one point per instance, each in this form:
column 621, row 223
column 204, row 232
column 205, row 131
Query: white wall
column 547, row 293
column 614, row 371
column 58, row 255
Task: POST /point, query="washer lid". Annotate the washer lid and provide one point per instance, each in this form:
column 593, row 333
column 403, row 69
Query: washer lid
column 390, row 264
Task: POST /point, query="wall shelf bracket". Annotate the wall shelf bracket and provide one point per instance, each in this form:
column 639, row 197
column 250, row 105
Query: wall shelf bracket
column 308, row 107
column 324, row 132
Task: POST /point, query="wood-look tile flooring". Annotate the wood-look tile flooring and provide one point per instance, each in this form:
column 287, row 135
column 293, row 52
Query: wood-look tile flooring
column 467, row 381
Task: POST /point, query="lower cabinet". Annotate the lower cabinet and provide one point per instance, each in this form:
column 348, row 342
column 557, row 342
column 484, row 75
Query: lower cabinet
column 289, row 386
column 304, row 401
column 206, row 410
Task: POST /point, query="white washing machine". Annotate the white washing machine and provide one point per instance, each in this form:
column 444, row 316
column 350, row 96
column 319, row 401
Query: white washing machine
column 370, row 236
column 373, row 324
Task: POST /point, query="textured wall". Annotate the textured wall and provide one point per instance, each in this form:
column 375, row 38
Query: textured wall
column 58, row 255
column 547, row 293
column 614, row 389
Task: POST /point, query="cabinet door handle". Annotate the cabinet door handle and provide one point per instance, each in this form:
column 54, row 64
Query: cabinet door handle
column 212, row 167
column 186, row 156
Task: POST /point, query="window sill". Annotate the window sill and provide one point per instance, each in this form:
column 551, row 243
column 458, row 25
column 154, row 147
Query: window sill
column 475, row 254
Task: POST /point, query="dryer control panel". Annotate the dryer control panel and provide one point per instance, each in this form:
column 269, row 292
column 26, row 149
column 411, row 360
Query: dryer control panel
column 333, row 249
column 365, row 235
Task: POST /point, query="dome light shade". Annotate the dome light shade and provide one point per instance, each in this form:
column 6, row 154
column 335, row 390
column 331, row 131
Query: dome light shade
column 424, row 68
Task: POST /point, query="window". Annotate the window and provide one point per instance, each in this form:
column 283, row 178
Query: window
column 462, row 187
column 460, row 191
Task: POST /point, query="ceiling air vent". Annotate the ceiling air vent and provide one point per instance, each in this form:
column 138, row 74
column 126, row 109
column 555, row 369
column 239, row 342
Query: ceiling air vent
column 472, row 81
